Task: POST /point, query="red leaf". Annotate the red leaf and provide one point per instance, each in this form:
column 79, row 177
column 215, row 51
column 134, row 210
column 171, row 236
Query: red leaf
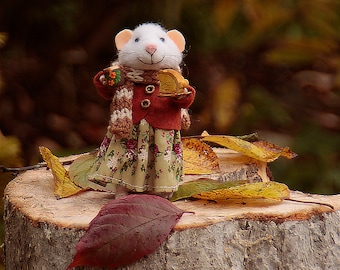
column 125, row 230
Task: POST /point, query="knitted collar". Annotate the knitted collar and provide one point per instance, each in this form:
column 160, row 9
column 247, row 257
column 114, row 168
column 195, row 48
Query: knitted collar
column 140, row 76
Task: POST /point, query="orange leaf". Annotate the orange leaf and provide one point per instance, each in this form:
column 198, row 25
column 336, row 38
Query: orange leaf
column 199, row 158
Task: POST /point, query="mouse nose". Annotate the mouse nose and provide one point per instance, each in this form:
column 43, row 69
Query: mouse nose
column 151, row 48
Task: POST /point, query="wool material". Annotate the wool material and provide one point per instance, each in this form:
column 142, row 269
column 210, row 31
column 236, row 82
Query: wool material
column 121, row 106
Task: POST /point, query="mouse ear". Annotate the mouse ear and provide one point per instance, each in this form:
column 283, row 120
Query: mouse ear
column 122, row 38
column 178, row 38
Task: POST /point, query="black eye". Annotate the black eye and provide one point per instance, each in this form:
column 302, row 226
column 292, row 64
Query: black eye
column 162, row 39
column 136, row 39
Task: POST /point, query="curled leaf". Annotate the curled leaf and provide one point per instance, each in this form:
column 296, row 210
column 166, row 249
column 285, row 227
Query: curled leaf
column 271, row 191
column 199, row 158
column 276, row 150
column 125, row 230
column 261, row 151
column 63, row 186
column 188, row 189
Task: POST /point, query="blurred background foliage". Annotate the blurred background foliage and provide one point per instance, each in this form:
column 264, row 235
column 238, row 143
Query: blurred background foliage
column 271, row 67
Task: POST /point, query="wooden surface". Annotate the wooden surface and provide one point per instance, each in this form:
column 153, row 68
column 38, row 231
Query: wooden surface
column 32, row 194
column 41, row 232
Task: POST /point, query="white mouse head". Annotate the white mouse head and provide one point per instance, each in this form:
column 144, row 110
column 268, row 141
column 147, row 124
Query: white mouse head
column 150, row 47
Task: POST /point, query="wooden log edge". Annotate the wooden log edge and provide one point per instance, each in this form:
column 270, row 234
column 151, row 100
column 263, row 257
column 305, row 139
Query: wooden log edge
column 42, row 232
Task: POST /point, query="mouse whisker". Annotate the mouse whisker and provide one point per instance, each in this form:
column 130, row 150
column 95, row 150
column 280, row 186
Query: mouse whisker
column 130, row 53
column 174, row 57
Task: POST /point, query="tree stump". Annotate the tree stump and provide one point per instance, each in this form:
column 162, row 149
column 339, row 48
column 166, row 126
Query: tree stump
column 42, row 232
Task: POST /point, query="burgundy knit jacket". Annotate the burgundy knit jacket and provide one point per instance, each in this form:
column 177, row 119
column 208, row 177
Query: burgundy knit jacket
column 159, row 112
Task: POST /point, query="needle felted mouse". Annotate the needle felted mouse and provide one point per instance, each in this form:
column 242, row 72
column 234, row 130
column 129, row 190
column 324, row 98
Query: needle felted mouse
column 142, row 149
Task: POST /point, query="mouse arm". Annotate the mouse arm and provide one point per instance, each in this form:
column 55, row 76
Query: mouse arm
column 184, row 101
column 103, row 90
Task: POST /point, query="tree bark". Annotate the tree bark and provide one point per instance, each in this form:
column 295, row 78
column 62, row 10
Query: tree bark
column 42, row 232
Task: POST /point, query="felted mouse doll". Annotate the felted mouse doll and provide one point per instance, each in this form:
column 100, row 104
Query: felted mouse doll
column 142, row 149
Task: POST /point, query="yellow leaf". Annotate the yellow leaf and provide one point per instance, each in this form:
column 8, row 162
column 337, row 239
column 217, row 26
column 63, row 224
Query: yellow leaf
column 272, row 192
column 186, row 190
column 259, row 152
column 63, row 186
column 198, row 157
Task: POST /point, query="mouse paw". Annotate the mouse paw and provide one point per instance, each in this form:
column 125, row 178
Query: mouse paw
column 102, row 79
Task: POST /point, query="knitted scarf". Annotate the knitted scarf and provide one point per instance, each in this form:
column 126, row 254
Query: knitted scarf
column 121, row 106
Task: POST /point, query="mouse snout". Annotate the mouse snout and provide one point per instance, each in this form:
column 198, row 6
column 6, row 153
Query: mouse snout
column 151, row 48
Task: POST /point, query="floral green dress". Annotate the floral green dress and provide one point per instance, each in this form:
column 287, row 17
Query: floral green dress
column 150, row 160
column 147, row 156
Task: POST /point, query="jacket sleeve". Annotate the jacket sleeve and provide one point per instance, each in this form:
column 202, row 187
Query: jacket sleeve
column 186, row 101
column 103, row 90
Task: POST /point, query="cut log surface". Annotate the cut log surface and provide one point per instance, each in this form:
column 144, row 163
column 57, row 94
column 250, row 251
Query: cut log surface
column 42, row 232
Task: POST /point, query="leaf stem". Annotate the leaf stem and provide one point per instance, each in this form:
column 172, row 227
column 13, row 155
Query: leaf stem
column 253, row 137
column 17, row 170
column 319, row 203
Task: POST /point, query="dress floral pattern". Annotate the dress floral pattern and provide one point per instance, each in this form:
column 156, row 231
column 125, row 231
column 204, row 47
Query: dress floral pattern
column 150, row 160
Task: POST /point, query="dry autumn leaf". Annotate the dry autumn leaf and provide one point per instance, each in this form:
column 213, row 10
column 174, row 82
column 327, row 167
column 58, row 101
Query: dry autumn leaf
column 199, row 158
column 265, row 152
column 188, row 189
column 263, row 192
column 63, row 186
column 125, row 230
column 270, row 147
